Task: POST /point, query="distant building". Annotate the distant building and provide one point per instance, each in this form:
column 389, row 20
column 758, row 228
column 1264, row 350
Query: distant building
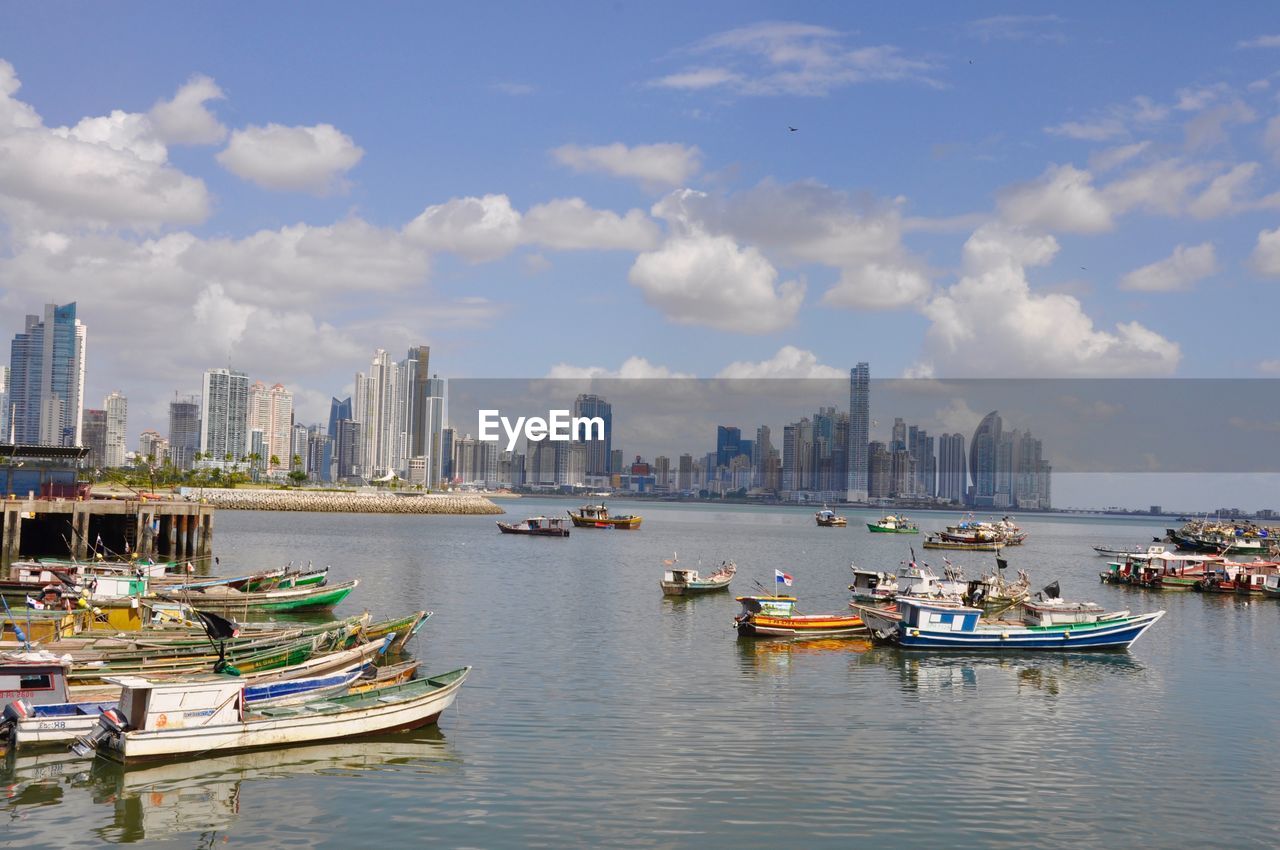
column 319, row 455
column 271, row 412
column 339, row 409
column 224, row 432
column 952, row 468
column 93, row 432
column 5, row 436
column 982, row 460
column 662, row 471
column 615, row 460
column 184, row 431
column 598, row 451
column 727, row 448
column 859, row 432
column 46, row 379
column 684, row 474
column 117, row 407
column 433, row 421
column 346, row 449
column 152, row 448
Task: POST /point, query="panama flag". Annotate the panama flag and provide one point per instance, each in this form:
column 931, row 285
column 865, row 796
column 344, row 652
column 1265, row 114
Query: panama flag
column 35, row 603
column 780, row 577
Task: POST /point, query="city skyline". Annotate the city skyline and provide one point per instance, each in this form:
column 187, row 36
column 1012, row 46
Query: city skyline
column 666, row 190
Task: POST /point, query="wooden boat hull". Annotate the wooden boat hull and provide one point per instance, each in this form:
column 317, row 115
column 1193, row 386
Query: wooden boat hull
column 809, row 625
column 832, row 523
column 302, row 599
column 1115, row 634
column 390, row 709
column 692, row 588
column 963, row 547
column 884, row 529
column 625, row 522
column 551, row 531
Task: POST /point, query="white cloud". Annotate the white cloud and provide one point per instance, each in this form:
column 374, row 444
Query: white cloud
column 476, row 228
column 1260, row 41
column 1265, row 258
column 1271, row 138
column 807, row 222
column 1063, row 198
column 108, row 171
column 185, row 119
column 1017, row 28
column 297, row 159
column 1105, row 160
column 789, row 362
column 1161, row 187
column 633, row 368
column 788, row 58
column 1181, row 270
column 665, row 164
column 569, row 224
column 701, row 279
column 1221, row 195
column 514, row 89
column 1113, row 122
column 1209, row 128
column 487, row 228
column 991, row 322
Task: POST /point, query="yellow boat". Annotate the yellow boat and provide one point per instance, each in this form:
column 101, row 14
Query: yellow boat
column 597, row 516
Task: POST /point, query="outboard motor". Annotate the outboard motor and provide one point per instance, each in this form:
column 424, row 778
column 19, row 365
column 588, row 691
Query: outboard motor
column 110, row 722
column 13, row 713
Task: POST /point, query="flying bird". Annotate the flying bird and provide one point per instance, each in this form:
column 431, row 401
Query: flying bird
column 792, row 129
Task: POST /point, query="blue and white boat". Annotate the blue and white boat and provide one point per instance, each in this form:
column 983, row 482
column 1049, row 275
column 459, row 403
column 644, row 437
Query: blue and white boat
column 1051, row 624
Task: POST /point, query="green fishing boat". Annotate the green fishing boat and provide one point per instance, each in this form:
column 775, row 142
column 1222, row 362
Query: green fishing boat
column 230, row 603
column 893, row 525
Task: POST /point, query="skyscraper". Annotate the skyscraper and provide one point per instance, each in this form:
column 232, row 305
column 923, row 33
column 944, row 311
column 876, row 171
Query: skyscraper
column 597, row 450
column 338, row 410
column 224, row 429
column 983, row 450
column 859, row 431
column 727, row 440
column 271, row 412
column 433, row 421
column 46, row 376
column 117, row 407
column 417, row 374
column 184, row 430
column 4, row 405
column 94, row 433
column 952, row 468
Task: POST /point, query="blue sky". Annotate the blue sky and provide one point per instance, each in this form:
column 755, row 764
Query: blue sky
column 602, row 189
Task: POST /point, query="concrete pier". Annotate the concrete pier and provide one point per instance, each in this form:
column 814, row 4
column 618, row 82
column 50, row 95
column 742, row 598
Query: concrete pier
column 75, row 528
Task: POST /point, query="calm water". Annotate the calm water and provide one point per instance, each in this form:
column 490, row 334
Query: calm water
column 602, row 714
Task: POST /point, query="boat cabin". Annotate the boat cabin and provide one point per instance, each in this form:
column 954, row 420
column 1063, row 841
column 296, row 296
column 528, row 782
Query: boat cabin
column 594, row 512
column 873, row 585
column 680, row 576
column 770, row 606
column 149, row 706
column 938, row 616
column 1057, row 612
column 40, row 678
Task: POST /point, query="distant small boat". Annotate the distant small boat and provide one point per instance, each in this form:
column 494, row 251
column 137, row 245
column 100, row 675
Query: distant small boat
column 598, row 516
column 1129, row 551
column 537, row 526
column 936, row 542
column 893, row 525
column 827, row 518
column 775, row 616
column 677, row 581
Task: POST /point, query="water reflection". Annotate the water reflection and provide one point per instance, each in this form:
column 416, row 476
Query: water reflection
column 200, row 796
column 1048, row 674
column 774, row 655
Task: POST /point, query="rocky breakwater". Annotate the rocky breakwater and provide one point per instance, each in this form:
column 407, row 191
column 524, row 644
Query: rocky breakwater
column 338, row 502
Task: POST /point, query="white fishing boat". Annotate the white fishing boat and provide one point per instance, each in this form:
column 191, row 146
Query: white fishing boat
column 158, row 720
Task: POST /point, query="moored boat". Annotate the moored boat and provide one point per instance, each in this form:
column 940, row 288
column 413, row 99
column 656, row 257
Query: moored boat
column 537, row 526
column 228, row 602
column 598, row 516
column 827, row 518
column 936, row 542
column 678, row 581
column 893, row 524
column 156, row 721
column 775, row 616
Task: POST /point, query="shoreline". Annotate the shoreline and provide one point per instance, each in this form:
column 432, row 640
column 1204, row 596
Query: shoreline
column 355, row 503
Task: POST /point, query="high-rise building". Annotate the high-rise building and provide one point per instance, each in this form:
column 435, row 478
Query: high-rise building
column 952, row 468
column 684, row 477
column 880, row 471
column 299, row 448
column 5, row 436
column 339, row 409
column 346, row 448
column 727, row 444
column 446, row 455
column 319, row 455
column 224, row 428
column 433, row 418
column 662, row 471
column 46, row 378
column 417, row 374
column 379, row 405
column 271, row 412
column 983, row 450
column 615, row 460
column 94, row 434
column 184, row 431
column 152, row 448
column 117, row 407
column 598, row 451
column 859, row 431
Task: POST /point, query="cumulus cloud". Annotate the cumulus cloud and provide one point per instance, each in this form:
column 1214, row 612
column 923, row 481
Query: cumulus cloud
column 1265, row 258
column 789, row 362
column 489, row 227
column 1223, row 194
column 807, row 222
column 991, row 322
column 702, row 279
column 295, row 159
column 1161, row 187
column 633, row 368
column 476, row 228
column 106, row 171
column 790, row 58
column 570, row 224
column 1181, row 270
column 185, row 119
column 666, row 164
column 1260, row 41
column 1063, row 198
column 1114, row 122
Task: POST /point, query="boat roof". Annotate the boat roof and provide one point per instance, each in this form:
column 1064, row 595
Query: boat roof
column 941, row 605
column 769, row 598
